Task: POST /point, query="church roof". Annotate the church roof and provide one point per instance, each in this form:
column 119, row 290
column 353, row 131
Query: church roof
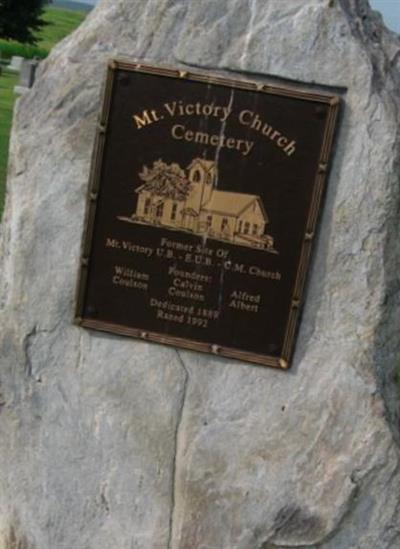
column 225, row 202
column 205, row 164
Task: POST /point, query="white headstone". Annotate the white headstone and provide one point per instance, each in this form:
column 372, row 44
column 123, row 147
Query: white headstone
column 111, row 442
column 16, row 63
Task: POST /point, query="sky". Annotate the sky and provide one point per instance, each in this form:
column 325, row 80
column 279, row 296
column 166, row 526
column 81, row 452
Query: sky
column 390, row 10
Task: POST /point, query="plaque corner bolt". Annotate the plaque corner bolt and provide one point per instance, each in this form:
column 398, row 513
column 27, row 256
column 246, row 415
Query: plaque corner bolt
column 309, row 236
column 85, row 261
column 215, row 349
column 93, row 196
column 78, row 320
column 183, row 74
column 144, row 335
column 334, row 101
column 112, row 64
column 283, row 363
column 322, row 167
column 295, row 303
column 102, row 128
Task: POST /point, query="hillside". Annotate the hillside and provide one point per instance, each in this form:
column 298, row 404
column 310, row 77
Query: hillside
column 61, row 22
column 70, row 5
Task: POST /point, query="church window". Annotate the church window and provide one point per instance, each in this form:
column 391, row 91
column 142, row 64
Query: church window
column 160, row 209
column 224, row 223
column 173, row 211
column 147, row 206
column 196, row 176
column 209, row 221
column 240, row 227
column 255, row 228
column 246, row 227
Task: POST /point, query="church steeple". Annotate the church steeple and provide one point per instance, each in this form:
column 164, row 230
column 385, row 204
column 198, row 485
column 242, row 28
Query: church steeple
column 202, row 175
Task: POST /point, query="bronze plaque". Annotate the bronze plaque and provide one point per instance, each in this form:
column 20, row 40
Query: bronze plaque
column 203, row 202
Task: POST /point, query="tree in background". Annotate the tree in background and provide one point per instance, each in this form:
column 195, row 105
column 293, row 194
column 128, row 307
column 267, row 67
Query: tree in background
column 21, row 19
column 167, row 180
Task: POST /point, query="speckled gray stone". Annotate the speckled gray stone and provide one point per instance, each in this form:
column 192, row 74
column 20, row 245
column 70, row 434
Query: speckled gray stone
column 111, row 442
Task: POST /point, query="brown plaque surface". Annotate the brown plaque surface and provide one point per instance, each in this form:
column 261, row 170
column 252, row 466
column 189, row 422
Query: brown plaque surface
column 203, row 203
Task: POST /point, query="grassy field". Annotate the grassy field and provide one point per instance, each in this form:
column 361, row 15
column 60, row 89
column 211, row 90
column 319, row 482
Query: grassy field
column 7, row 82
column 60, row 24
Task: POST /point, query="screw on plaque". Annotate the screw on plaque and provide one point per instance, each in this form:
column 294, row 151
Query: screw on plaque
column 283, row 363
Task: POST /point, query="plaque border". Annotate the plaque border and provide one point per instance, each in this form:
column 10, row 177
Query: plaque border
column 333, row 102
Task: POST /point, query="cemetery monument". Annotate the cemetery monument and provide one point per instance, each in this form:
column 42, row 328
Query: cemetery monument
column 116, row 441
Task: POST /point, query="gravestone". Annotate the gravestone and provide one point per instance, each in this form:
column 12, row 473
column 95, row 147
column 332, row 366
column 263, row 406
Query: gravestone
column 27, row 75
column 16, row 63
column 110, row 441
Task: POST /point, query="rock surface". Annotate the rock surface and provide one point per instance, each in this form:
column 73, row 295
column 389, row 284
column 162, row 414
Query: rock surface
column 111, row 442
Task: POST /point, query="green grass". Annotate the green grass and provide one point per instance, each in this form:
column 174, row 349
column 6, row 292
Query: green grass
column 8, row 48
column 7, row 82
column 60, row 23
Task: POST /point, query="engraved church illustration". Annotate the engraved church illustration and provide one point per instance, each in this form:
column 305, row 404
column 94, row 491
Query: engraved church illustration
column 189, row 200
